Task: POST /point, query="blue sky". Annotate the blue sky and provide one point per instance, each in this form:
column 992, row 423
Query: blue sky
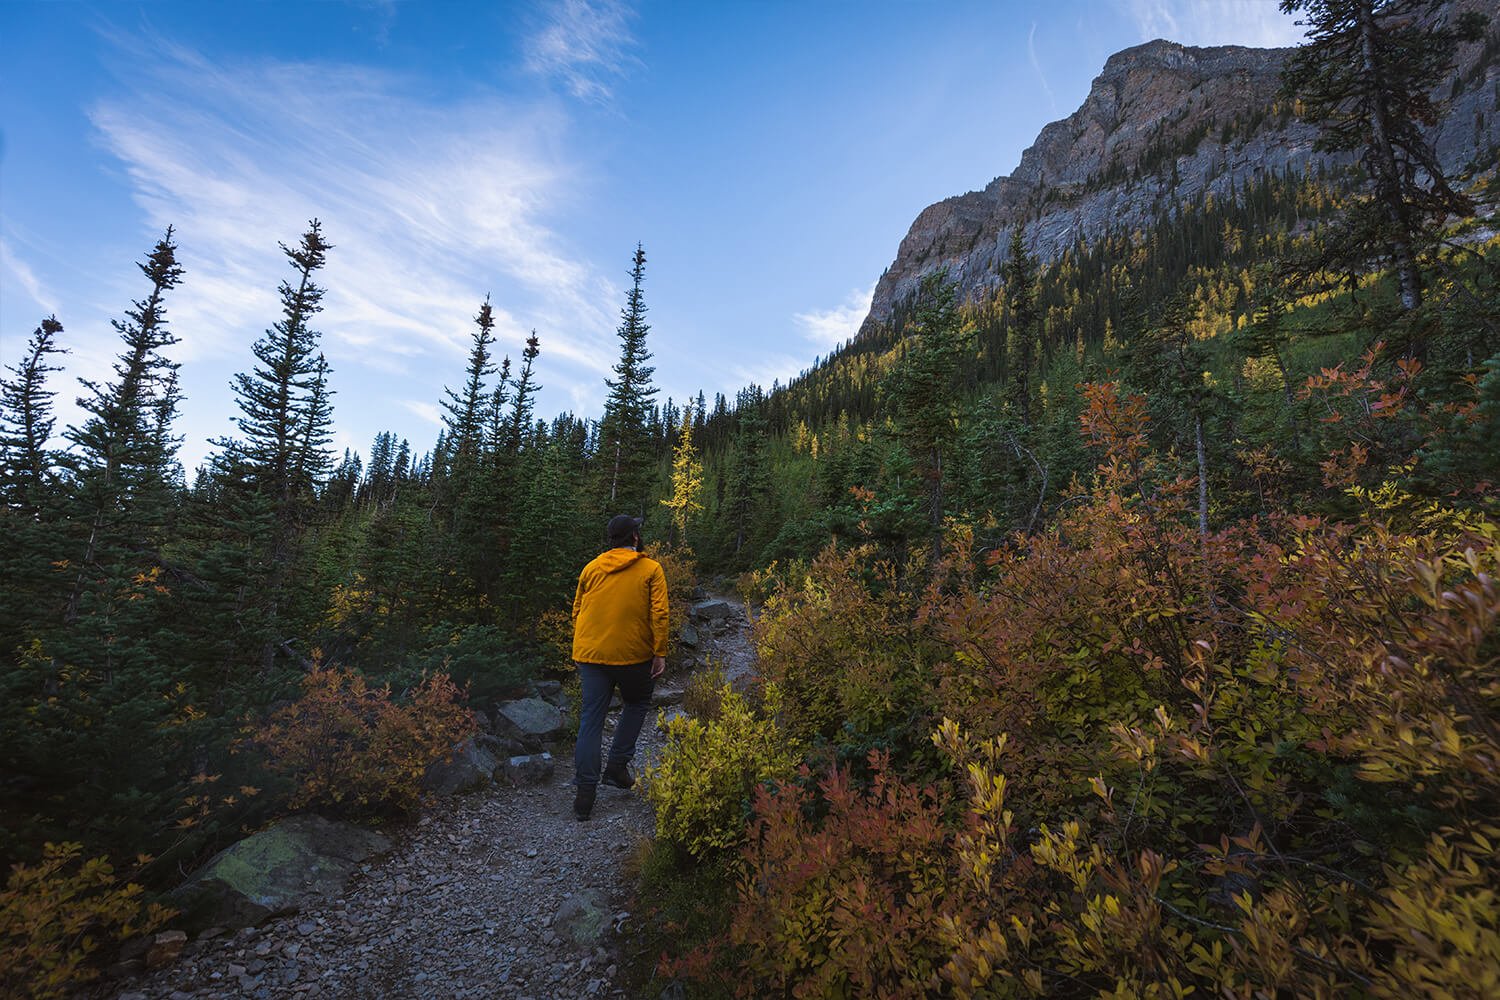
column 769, row 156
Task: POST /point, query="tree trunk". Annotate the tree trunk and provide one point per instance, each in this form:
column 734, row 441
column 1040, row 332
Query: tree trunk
column 1382, row 159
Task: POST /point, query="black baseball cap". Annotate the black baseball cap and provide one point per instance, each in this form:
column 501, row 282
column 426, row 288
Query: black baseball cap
column 622, row 527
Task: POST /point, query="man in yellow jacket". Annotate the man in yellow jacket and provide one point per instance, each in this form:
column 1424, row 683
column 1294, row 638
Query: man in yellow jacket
column 619, row 639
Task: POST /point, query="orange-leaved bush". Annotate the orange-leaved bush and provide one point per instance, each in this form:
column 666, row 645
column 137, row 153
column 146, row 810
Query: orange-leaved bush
column 1253, row 761
column 352, row 750
column 56, row 914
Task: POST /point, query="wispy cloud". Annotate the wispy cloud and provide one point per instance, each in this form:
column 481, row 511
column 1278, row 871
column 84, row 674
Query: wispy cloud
column 429, row 207
column 1036, row 64
column 21, row 273
column 429, row 412
column 585, row 44
column 1213, row 22
column 829, row 328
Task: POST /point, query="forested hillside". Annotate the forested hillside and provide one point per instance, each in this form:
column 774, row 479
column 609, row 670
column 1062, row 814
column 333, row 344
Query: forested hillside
column 1127, row 629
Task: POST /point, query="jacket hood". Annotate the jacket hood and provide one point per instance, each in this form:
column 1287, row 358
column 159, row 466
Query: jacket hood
column 614, row 560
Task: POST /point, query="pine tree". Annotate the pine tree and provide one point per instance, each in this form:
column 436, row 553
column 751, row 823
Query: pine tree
column 626, row 458
column 1365, row 76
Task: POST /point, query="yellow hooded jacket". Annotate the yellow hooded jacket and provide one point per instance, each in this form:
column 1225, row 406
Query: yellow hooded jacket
column 620, row 610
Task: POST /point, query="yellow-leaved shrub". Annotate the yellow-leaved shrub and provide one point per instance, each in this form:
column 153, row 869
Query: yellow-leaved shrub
column 56, row 914
column 711, row 766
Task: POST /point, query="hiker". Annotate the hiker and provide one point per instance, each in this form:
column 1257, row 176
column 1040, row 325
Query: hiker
column 619, row 639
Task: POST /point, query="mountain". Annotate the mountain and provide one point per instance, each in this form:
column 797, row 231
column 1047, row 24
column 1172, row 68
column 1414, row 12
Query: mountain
column 1162, row 124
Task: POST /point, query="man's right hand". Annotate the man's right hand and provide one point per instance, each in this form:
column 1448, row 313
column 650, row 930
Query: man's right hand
column 658, row 666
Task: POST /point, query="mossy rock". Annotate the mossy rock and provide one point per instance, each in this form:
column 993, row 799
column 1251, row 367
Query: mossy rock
column 272, row 872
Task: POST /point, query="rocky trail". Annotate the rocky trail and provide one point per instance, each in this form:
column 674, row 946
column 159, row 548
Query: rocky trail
column 496, row 893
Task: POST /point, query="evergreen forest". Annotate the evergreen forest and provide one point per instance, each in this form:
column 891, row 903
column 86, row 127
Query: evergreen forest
column 1130, row 631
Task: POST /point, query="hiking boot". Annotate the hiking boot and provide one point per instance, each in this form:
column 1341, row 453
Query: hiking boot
column 617, row 777
column 583, row 803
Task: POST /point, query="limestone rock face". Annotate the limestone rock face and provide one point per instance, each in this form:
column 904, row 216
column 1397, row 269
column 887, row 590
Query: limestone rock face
column 1162, row 124
column 274, row 871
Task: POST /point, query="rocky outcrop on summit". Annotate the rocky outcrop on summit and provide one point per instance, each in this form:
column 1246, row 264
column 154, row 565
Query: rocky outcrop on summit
column 1162, row 124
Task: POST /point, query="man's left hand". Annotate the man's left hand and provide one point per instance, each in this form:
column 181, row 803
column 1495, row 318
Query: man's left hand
column 658, row 666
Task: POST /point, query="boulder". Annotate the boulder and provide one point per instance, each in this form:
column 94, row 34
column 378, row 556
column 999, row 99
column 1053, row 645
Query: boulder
column 547, row 690
column 688, row 637
column 583, row 919
column 531, row 769
column 472, row 766
column 713, row 609
column 272, row 872
column 530, row 720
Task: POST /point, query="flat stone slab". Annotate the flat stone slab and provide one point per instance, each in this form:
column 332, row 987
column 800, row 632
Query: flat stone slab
column 272, row 872
column 529, row 717
column 713, row 609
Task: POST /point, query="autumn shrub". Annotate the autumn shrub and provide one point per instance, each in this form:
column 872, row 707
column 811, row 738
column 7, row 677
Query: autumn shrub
column 842, row 643
column 56, row 915
column 710, row 767
column 351, row 750
column 703, row 695
column 1253, row 761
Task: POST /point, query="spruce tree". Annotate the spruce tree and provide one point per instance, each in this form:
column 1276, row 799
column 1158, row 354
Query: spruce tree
column 923, row 389
column 464, row 417
column 1365, row 76
column 626, row 459
column 747, row 482
column 28, row 490
column 1020, row 301
column 122, row 460
column 522, row 404
column 26, row 422
column 283, row 400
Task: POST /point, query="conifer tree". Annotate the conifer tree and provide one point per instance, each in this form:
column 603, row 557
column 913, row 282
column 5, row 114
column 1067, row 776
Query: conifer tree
column 748, row 476
column 283, row 400
column 123, row 460
column 521, row 405
column 1365, row 76
column 1020, row 300
column 923, row 386
column 28, row 473
column 626, row 457
column 1167, row 362
column 26, row 422
column 464, row 419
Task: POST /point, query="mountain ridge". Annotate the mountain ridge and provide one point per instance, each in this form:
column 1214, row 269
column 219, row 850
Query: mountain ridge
column 1162, row 124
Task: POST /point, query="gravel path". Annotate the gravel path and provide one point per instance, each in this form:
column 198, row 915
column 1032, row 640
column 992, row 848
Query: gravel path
column 474, row 900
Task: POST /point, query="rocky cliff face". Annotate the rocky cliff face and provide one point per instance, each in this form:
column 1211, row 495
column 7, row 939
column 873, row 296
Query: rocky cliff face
column 1162, row 124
